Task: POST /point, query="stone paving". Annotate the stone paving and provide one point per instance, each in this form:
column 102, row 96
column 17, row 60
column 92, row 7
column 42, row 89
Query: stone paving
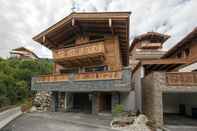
column 57, row 121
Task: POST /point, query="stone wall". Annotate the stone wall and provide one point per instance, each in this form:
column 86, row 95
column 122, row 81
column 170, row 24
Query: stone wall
column 123, row 84
column 42, row 101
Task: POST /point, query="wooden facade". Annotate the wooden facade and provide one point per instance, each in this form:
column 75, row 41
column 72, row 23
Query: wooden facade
column 185, row 49
column 23, row 53
column 87, row 40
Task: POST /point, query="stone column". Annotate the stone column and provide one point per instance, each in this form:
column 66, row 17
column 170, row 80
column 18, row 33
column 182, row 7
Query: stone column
column 53, row 101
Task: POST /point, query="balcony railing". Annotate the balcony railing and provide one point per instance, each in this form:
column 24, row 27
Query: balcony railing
column 181, row 78
column 108, row 75
column 80, row 51
column 99, row 75
column 52, row 78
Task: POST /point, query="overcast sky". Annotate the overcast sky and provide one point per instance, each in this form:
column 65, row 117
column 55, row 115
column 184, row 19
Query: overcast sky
column 20, row 20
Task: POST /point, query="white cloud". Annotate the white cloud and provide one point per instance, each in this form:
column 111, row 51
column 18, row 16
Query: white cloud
column 22, row 19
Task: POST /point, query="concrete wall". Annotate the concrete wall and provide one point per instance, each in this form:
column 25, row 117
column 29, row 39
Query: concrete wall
column 171, row 102
column 128, row 100
column 137, row 80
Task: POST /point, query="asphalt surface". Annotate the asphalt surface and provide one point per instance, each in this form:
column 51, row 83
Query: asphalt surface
column 58, row 122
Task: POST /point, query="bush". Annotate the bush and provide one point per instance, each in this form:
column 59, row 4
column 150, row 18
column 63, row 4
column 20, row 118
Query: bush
column 26, row 106
column 4, row 101
column 118, row 110
column 15, row 78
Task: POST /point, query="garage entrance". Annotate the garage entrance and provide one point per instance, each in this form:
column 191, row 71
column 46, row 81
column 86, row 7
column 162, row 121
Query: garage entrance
column 82, row 102
column 180, row 108
column 105, row 103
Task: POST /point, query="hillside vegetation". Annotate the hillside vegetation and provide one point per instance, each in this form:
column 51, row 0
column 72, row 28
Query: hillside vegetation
column 15, row 78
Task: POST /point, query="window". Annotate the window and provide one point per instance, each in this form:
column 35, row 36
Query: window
column 73, row 70
column 179, row 54
column 187, row 52
column 95, row 37
column 97, row 68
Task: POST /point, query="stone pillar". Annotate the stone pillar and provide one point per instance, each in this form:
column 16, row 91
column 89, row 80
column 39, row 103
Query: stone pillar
column 54, row 101
column 69, row 97
column 61, row 101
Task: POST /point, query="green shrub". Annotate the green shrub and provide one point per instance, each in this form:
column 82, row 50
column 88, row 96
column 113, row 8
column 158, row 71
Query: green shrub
column 118, row 109
column 4, row 101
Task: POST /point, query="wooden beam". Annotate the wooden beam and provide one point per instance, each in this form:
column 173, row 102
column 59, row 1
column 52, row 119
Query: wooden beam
column 165, row 61
column 73, row 21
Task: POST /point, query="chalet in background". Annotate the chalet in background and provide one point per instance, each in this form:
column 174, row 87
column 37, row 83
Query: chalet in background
column 91, row 72
column 163, row 93
column 22, row 53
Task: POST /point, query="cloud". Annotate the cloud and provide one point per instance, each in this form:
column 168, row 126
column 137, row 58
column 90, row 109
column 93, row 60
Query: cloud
column 23, row 19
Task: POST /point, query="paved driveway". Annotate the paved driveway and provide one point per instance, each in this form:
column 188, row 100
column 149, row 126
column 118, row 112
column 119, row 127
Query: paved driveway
column 59, row 122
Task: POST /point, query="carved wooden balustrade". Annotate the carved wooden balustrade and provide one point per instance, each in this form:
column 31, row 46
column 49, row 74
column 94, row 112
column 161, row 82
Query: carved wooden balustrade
column 181, row 78
column 107, row 75
column 52, row 78
column 80, row 51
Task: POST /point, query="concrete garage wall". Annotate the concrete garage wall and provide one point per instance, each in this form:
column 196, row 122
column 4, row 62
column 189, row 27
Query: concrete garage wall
column 190, row 101
column 136, row 78
column 171, row 102
column 128, row 100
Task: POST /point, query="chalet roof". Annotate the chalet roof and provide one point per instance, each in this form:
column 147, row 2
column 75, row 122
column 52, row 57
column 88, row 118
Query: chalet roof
column 186, row 40
column 149, row 36
column 19, row 49
column 64, row 33
column 167, row 64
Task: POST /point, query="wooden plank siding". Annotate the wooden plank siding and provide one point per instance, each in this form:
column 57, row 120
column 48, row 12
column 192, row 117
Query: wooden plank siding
column 181, row 78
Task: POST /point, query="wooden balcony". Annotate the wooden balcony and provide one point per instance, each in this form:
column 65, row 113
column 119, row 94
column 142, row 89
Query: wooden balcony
column 181, row 78
column 108, row 75
column 87, row 54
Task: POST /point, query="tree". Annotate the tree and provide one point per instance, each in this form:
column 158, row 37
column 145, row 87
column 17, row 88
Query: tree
column 15, row 78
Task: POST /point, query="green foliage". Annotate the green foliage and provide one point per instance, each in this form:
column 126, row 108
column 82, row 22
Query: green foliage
column 118, row 109
column 15, row 78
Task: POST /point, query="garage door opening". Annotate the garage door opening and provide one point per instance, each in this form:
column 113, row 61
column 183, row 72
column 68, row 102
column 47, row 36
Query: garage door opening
column 82, row 102
column 180, row 108
column 105, row 102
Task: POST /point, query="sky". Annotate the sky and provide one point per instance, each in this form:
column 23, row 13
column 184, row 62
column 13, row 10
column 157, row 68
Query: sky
column 20, row 20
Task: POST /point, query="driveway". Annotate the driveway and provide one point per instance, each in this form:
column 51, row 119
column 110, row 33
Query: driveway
column 57, row 121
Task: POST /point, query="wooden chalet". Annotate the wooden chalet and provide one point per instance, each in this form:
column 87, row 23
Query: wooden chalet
column 22, row 53
column 90, row 51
